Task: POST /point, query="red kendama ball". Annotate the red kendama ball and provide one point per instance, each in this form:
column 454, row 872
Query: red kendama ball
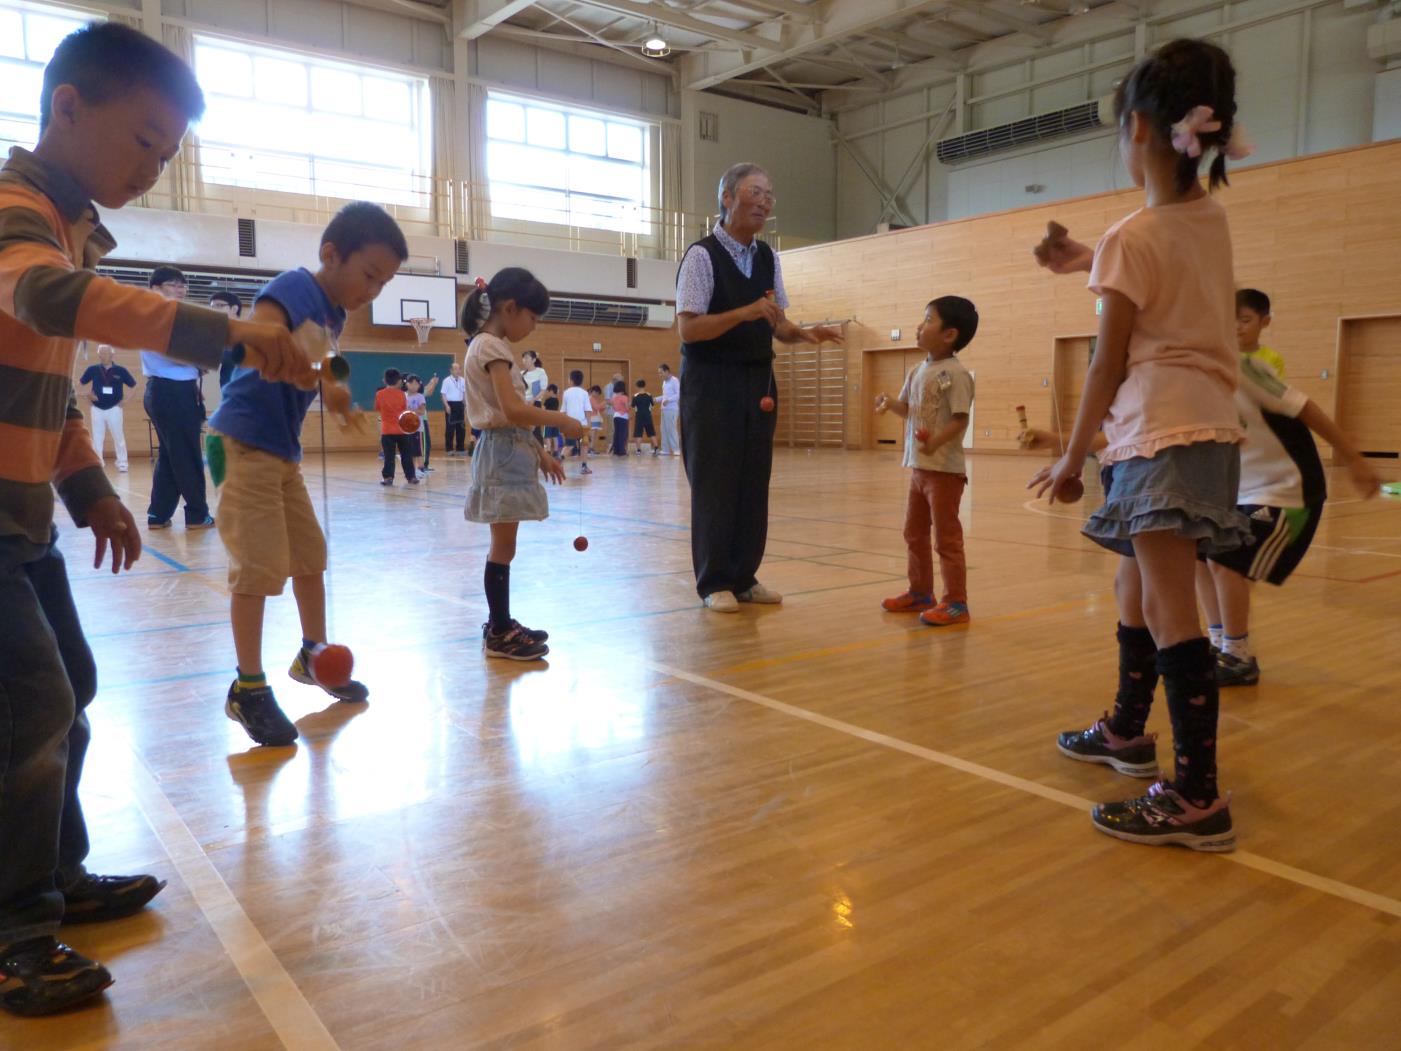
column 408, row 421
column 766, row 403
column 331, row 665
column 581, row 543
column 921, row 434
column 1071, row 490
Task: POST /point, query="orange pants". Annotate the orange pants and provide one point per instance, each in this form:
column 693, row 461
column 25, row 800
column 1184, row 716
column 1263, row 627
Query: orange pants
column 934, row 499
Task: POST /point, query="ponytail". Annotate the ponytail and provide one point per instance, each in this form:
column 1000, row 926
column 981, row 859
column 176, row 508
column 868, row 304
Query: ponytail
column 513, row 284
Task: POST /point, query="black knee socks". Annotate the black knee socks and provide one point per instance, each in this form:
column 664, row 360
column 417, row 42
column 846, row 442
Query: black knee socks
column 1189, row 679
column 497, row 582
column 1138, row 679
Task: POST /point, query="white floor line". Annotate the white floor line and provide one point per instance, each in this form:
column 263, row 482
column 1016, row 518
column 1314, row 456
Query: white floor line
column 1279, row 870
column 289, row 1014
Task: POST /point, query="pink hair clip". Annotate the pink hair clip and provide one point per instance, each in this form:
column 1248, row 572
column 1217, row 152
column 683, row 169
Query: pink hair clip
column 481, row 282
column 1186, row 133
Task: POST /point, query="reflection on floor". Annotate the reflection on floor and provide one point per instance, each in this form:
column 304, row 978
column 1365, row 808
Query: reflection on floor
column 814, row 826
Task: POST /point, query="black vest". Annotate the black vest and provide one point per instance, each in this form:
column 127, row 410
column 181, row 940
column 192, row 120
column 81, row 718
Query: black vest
column 749, row 341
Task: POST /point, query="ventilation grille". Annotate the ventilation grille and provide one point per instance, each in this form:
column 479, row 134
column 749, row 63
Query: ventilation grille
column 461, row 256
column 1084, row 117
column 247, row 239
column 632, row 272
column 199, row 284
column 709, row 126
column 596, row 312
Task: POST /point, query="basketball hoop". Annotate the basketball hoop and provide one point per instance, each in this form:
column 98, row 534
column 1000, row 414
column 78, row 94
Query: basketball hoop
column 422, row 326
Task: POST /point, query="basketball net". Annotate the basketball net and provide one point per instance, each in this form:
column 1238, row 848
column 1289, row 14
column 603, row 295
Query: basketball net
column 422, row 326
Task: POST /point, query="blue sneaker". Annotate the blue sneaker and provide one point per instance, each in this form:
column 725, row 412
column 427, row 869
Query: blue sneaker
column 257, row 712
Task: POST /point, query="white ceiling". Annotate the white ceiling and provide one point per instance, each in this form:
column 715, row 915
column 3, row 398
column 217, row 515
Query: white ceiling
column 785, row 51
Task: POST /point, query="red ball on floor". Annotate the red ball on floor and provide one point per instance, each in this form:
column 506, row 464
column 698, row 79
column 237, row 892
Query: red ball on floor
column 331, row 665
column 766, row 403
column 581, row 543
column 408, row 421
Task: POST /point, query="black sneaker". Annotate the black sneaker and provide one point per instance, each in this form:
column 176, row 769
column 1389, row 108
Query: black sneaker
column 95, row 899
column 257, row 712
column 1162, row 817
column 1232, row 671
column 157, row 523
column 386, row 481
column 1139, row 758
column 39, row 976
column 514, row 645
column 352, row 692
column 531, row 633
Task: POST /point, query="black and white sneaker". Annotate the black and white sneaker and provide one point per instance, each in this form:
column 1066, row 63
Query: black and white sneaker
column 514, row 644
column 40, row 976
column 1136, row 758
column 1233, row 671
column 531, row 633
column 1163, row 817
column 96, row 899
column 257, row 712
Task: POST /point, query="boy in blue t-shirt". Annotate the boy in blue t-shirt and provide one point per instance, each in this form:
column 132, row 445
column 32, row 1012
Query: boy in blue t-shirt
column 266, row 519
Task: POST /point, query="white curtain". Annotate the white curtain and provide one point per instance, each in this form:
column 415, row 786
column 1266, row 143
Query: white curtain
column 673, row 239
column 441, row 96
column 478, row 202
column 183, row 183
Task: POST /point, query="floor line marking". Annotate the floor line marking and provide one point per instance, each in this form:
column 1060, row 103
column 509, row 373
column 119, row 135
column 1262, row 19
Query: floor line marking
column 287, row 1010
column 1301, row 877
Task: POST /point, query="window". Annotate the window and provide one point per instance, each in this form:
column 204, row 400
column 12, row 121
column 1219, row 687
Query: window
column 28, row 37
column 278, row 120
column 548, row 164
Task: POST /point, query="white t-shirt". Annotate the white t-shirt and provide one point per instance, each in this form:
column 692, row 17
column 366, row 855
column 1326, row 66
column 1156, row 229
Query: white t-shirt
column 535, row 383
column 454, row 389
column 1270, row 468
column 671, row 393
column 576, row 403
column 936, row 392
column 483, row 407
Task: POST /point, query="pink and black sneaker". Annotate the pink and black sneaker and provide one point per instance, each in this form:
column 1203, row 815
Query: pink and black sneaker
column 1164, row 817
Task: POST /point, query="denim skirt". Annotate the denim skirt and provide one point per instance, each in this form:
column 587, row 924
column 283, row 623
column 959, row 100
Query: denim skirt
column 506, row 478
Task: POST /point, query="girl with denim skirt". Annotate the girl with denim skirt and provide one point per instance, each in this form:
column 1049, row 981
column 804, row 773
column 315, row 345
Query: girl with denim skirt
column 509, row 459
column 1161, row 384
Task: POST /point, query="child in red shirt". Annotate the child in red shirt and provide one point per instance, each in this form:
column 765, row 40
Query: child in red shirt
column 620, row 418
column 390, row 403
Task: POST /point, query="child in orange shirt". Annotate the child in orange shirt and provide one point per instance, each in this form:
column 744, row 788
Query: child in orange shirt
column 390, row 403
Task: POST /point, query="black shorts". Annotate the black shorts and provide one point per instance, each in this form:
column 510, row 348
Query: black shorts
column 642, row 425
column 416, row 441
column 1282, row 538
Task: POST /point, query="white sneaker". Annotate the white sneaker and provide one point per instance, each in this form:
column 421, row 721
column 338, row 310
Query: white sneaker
column 722, row 602
column 760, row 594
column 121, row 468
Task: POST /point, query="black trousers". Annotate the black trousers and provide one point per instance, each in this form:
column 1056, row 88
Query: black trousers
column 456, row 427
column 402, row 444
column 727, row 447
column 620, row 436
column 175, row 411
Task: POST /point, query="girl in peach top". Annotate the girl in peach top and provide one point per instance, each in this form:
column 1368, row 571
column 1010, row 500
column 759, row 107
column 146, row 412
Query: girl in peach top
column 1161, row 385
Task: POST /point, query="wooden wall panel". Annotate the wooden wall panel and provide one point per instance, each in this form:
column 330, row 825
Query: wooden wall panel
column 1321, row 235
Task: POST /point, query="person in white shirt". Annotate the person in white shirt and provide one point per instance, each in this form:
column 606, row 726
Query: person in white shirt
column 671, row 411
column 455, row 401
column 576, row 403
column 535, row 377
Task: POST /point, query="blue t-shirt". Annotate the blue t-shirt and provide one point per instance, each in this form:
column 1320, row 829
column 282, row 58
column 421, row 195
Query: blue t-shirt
column 267, row 415
column 107, row 384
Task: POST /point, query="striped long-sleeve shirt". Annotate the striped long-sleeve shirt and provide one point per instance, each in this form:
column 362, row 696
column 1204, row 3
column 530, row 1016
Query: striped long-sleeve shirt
column 50, row 239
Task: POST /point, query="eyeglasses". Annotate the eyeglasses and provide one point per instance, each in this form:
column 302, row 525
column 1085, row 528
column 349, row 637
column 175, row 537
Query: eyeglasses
column 756, row 194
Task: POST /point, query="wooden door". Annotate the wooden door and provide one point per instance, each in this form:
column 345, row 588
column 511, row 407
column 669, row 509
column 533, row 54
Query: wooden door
column 599, row 371
column 1369, row 390
column 886, row 371
column 1072, row 363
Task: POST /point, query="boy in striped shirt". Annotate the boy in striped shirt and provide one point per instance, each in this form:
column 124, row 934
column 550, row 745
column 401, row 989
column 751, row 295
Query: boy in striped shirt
column 114, row 108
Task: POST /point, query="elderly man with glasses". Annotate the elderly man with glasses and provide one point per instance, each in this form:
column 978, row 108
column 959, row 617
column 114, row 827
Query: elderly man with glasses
column 730, row 306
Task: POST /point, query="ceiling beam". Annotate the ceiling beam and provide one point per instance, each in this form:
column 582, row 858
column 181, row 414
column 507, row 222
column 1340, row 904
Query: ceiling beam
column 670, row 16
column 474, row 18
column 1015, row 23
column 843, row 19
column 917, row 45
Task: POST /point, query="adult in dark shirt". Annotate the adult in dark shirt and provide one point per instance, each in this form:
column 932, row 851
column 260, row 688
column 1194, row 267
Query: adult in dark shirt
column 730, row 307
column 226, row 303
column 109, row 382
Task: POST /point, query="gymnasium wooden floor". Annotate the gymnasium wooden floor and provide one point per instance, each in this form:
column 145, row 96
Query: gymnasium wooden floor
column 817, row 826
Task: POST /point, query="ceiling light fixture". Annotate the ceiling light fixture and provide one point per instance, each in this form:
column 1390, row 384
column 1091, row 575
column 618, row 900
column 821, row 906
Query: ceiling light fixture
column 654, row 46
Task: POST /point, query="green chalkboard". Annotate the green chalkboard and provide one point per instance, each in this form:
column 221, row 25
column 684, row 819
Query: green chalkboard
column 367, row 373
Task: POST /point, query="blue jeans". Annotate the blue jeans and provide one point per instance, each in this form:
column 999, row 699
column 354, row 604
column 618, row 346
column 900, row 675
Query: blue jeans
column 47, row 679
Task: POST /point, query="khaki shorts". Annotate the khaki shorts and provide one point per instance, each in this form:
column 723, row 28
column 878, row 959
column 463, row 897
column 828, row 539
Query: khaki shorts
column 266, row 521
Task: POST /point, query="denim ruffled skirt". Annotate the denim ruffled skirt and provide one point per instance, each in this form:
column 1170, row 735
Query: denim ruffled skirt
column 506, row 478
